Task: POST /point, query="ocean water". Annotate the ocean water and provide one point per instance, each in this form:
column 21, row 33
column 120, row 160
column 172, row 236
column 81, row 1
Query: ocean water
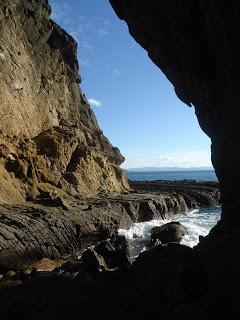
column 198, row 221
column 201, row 175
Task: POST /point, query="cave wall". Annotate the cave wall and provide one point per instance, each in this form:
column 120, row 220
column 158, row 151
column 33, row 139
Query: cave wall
column 49, row 137
column 195, row 43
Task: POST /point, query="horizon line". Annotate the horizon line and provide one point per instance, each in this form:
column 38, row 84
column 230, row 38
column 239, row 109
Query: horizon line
column 166, row 168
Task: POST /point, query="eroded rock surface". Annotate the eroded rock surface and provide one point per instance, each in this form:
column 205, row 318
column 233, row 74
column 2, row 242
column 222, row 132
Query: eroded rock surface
column 49, row 137
column 52, row 226
column 196, row 45
column 50, row 142
column 169, row 232
column 29, row 233
column 188, row 193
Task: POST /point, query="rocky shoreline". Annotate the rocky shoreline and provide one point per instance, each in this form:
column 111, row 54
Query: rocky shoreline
column 63, row 194
column 57, row 228
column 76, row 260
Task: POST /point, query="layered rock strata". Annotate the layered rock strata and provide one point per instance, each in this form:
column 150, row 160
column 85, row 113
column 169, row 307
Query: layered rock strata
column 54, row 227
column 49, row 137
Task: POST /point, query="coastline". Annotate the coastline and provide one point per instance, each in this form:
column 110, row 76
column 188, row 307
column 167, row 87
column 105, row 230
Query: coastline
column 79, row 260
column 48, row 229
column 172, row 175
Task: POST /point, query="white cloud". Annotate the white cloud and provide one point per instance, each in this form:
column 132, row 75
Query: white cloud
column 86, row 45
column 83, row 29
column 182, row 159
column 60, row 12
column 102, row 32
column 116, row 72
column 85, row 63
column 95, row 103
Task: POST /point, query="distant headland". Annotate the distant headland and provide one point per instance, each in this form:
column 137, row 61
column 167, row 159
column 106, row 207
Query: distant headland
column 148, row 169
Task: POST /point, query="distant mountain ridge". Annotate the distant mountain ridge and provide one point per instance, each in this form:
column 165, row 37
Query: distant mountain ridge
column 156, row 169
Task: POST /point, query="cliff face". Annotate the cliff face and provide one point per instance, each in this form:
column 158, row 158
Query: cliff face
column 49, row 138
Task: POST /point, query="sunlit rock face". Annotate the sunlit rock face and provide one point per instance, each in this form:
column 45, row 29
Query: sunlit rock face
column 196, row 45
column 49, row 138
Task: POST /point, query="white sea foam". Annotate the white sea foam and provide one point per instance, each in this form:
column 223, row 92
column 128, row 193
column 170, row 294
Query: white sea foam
column 198, row 222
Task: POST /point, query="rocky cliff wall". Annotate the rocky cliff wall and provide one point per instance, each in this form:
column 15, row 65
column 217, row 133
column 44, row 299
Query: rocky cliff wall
column 49, row 137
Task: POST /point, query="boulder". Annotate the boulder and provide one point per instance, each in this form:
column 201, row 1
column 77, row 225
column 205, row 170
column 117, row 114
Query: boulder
column 122, row 251
column 115, row 252
column 166, row 272
column 10, row 274
column 93, row 262
column 44, row 265
column 147, row 211
column 52, row 199
column 169, row 232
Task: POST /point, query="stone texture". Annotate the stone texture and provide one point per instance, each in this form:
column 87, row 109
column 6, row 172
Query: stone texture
column 47, row 126
column 195, row 44
column 44, row 265
column 184, row 194
column 160, row 280
column 108, row 255
column 53, row 227
column 93, row 261
column 49, row 137
column 30, row 233
column 169, row 232
column 169, row 272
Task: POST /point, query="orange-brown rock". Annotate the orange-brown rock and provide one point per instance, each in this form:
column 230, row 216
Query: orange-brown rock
column 44, row 265
column 49, row 137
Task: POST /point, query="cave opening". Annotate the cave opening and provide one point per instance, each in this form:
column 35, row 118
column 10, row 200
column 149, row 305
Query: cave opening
column 138, row 109
column 68, row 213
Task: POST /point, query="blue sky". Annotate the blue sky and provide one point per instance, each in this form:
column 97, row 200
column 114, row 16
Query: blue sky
column 135, row 104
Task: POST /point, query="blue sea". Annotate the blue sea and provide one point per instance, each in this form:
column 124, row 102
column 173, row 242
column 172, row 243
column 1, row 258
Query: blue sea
column 198, row 221
column 201, row 175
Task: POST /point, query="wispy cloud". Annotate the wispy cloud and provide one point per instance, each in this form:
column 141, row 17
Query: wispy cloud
column 87, row 45
column 102, row 32
column 60, row 11
column 85, row 63
column 83, row 29
column 95, row 103
column 182, row 159
column 116, row 72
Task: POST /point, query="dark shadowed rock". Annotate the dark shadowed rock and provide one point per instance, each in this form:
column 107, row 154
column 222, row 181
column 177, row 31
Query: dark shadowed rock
column 169, row 232
column 51, row 228
column 52, row 199
column 169, row 271
column 147, row 210
column 115, row 252
column 185, row 194
column 122, row 252
column 29, row 233
column 93, row 262
column 190, row 41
